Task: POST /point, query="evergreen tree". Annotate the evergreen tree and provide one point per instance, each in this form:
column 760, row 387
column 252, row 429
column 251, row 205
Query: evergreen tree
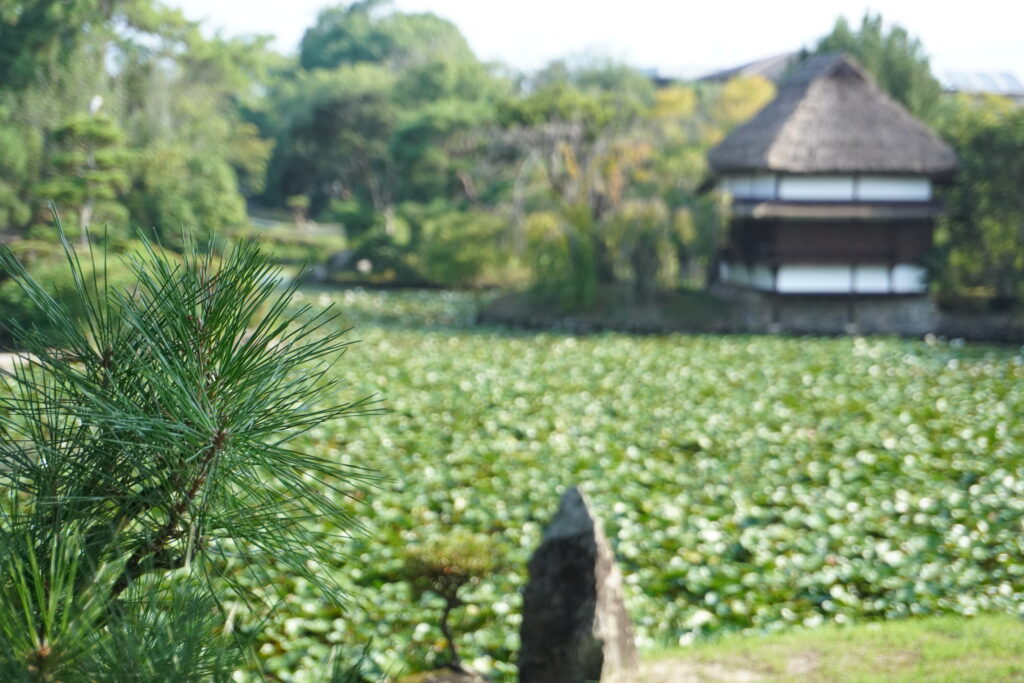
column 146, row 482
column 88, row 169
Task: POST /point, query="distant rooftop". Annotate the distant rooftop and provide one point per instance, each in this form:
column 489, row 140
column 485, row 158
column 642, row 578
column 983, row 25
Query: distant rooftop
column 773, row 68
column 983, row 83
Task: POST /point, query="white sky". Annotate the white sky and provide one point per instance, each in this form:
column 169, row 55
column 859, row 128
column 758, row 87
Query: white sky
column 675, row 36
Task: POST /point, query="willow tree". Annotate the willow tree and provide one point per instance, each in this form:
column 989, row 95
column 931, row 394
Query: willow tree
column 146, row 476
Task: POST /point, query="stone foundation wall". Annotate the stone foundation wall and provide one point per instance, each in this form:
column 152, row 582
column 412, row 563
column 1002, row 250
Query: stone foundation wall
column 746, row 311
column 800, row 314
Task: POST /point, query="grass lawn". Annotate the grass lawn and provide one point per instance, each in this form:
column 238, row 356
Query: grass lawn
column 949, row 648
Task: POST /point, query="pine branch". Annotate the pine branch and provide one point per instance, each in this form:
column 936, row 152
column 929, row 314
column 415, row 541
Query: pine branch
column 171, row 530
column 150, row 431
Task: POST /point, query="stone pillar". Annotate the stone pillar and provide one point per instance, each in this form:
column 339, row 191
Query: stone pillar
column 575, row 627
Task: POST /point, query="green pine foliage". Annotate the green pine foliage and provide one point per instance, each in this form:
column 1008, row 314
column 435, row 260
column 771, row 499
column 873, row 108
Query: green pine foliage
column 146, row 476
column 47, row 264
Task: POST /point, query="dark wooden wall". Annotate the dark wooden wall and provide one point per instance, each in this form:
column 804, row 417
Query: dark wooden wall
column 776, row 242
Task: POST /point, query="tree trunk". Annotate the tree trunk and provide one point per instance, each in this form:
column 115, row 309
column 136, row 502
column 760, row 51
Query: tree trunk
column 456, row 663
column 84, row 218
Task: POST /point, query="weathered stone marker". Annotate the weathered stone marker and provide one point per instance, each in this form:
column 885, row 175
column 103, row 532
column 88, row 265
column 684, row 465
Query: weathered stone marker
column 575, row 627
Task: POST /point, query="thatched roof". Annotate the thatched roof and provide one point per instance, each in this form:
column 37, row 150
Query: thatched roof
column 830, row 117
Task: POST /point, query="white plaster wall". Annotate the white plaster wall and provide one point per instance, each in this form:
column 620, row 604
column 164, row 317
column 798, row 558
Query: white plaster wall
column 828, row 188
column 738, row 185
column 759, row 186
column 908, row 279
column 814, row 280
column 893, row 189
column 871, row 279
column 830, row 279
column 816, row 188
column 762, row 186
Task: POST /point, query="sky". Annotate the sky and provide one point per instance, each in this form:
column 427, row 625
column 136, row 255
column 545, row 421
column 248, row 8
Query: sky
column 674, row 36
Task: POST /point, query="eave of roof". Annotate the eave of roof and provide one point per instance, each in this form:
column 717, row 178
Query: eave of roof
column 842, row 211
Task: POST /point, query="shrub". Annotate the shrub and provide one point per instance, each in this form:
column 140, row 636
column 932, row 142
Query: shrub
column 295, row 247
column 457, row 246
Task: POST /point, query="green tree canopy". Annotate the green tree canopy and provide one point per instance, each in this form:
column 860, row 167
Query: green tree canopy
column 897, row 60
column 983, row 231
column 367, row 31
column 37, row 35
column 383, row 108
column 338, row 136
column 184, row 152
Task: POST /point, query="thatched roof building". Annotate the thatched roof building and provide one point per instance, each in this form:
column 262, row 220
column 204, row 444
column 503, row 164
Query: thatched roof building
column 832, row 200
column 830, row 117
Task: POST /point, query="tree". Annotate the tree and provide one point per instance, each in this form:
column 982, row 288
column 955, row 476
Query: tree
column 41, row 37
column 640, row 235
column 445, row 566
column 438, row 150
column 982, row 233
column 579, row 139
column 365, row 32
column 455, row 247
column 896, row 60
column 196, row 155
column 561, row 251
column 178, row 189
column 339, row 143
column 175, row 98
column 88, row 169
column 579, row 149
column 739, row 99
column 35, row 34
column 21, row 153
column 378, row 111
column 145, row 471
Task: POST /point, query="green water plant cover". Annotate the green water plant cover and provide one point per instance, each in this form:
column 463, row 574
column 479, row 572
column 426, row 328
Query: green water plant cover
column 146, row 474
